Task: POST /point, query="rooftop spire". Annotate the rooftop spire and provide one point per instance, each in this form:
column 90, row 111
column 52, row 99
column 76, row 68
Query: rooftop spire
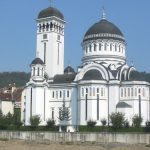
column 103, row 14
column 51, row 2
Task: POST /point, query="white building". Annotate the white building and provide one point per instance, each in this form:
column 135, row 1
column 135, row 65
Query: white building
column 103, row 83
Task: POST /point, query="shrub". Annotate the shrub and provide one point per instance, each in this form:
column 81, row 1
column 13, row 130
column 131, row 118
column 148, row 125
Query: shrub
column 35, row 121
column 136, row 120
column 117, row 119
column 126, row 124
column 104, row 122
column 91, row 123
column 50, row 123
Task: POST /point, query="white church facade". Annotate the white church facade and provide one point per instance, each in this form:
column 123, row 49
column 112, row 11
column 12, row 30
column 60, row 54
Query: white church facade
column 102, row 84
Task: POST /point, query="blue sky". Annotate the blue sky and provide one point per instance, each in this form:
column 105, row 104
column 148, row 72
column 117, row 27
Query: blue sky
column 18, row 29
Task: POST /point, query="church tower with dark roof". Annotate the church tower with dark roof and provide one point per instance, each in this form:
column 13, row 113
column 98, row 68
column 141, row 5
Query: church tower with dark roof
column 50, row 40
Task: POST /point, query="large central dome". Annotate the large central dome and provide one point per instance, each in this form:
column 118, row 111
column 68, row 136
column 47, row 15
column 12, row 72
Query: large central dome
column 103, row 30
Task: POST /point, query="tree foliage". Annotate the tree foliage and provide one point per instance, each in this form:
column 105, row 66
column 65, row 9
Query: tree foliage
column 35, row 121
column 136, row 120
column 91, row 123
column 50, row 123
column 64, row 113
column 117, row 119
column 19, row 78
column 104, row 122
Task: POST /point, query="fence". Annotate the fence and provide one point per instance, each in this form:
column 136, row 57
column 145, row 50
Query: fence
column 130, row 138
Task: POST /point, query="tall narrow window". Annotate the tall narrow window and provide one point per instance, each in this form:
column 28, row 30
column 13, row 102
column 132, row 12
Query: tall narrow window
column 100, row 46
column 53, row 94
column 115, row 47
column 135, row 91
column 90, row 91
column 125, row 92
column 90, row 48
column 121, row 92
column 143, row 92
column 58, row 54
column 57, row 94
column 86, row 105
column 38, row 71
column 128, row 92
column 68, row 93
column 82, row 91
column 110, row 47
column 132, row 92
column 33, row 71
column 93, row 91
column 97, row 107
column 53, row 113
column 60, row 94
column 31, row 104
column 105, row 46
column 95, row 47
column 44, row 52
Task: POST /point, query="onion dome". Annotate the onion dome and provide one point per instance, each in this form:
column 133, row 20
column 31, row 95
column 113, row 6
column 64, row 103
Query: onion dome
column 49, row 12
column 93, row 75
column 103, row 30
column 69, row 70
column 37, row 61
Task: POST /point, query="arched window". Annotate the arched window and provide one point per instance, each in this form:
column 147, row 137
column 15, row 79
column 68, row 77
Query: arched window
column 86, row 49
column 128, row 92
column 86, row 90
column 102, row 92
column 115, row 47
column 68, row 93
column 90, row 48
column 38, row 71
column 60, row 94
column 100, row 46
column 135, row 91
column 110, row 47
column 105, row 46
column 95, row 47
column 143, row 92
column 93, row 91
column 132, row 92
column 90, row 91
column 33, row 71
column 97, row 90
column 125, row 92
column 82, row 91
column 53, row 94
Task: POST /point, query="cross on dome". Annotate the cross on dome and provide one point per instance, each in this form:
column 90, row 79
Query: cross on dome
column 103, row 14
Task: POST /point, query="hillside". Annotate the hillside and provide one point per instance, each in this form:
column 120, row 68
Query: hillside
column 19, row 78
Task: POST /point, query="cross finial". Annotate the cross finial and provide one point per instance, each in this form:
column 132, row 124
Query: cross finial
column 103, row 14
column 51, row 2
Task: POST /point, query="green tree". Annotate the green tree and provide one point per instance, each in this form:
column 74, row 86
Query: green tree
column 17, row 117
column 91, row 123
column 104, row 122
column 136, row 120
column 35, row 121
column 50, row 123
column 117, row 119
column 64, row 113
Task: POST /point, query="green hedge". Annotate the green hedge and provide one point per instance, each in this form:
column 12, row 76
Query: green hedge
column 111, row 129
column 28, row 128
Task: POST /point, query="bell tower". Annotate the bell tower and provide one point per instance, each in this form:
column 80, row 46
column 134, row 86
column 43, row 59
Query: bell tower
column 50, row 40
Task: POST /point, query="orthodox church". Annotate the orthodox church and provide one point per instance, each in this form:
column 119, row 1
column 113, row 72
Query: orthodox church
column 103, row 82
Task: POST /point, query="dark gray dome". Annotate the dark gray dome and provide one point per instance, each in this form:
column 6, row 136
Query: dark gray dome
column 92, row 75
column 103, row 27
column 69, row 70
column 49, row 12
column 37, row 61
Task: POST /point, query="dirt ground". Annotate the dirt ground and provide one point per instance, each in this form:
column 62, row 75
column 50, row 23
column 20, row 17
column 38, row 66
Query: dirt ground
column 24, row 145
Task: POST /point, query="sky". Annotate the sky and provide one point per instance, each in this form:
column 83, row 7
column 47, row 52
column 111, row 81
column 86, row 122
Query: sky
column 18, row 29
